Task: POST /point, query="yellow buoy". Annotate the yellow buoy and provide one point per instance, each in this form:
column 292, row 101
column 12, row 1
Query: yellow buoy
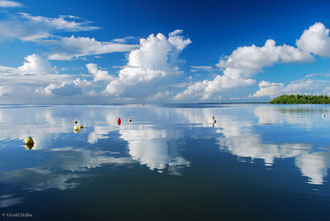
column 29, row 141
column 81, row 127
column 76, row 129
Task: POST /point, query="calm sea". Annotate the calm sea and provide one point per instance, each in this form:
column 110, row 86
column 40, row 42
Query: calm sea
column 257, row 162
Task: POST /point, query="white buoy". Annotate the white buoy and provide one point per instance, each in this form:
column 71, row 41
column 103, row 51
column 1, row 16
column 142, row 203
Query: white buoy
column 323, row 115
column 213, row 120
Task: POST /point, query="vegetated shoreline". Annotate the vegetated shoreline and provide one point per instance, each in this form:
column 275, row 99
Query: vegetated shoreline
column 301, row 99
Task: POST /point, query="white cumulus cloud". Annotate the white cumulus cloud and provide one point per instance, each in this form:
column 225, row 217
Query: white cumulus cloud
column 21, row 82
column 155, row 59
column 244, row 62
column 269, row 89
column 301, row 86
column 315, row 40
column 242, row 65
column 34, row 64
column 98, row 74
column 248, row 60
column 65, row 88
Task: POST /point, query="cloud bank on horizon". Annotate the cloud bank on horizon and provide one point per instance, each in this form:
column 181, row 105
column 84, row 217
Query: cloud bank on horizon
column 154, row 70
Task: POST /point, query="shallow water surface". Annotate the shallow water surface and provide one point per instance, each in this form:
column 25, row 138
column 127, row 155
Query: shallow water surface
column 257, row 162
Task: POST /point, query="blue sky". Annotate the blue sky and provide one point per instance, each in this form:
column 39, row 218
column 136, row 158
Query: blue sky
column 162, row 51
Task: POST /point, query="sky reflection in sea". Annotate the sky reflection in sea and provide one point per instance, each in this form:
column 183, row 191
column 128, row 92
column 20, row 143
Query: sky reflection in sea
column 169, row 140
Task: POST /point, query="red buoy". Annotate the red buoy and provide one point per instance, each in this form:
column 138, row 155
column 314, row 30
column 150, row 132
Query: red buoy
column 119, row 121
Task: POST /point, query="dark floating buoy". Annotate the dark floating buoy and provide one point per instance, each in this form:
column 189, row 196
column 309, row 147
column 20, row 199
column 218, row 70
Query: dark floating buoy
column 118, row 121
column 74, row 122
column 129, row 120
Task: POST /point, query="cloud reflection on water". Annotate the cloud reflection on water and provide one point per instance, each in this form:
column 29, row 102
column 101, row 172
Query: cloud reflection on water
column 146, row 143
column 7, row 200
column 150, row 147
column 235, row 132
column 62, row 166
column 151, row 140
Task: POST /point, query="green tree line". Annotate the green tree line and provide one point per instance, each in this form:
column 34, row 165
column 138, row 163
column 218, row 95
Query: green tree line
column 301, row 99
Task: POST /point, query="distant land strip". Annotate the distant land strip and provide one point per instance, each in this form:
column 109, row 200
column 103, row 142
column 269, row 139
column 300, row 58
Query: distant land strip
column 301, row 99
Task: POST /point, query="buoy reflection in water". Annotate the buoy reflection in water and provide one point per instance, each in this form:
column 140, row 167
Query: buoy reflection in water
column 29, row 146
